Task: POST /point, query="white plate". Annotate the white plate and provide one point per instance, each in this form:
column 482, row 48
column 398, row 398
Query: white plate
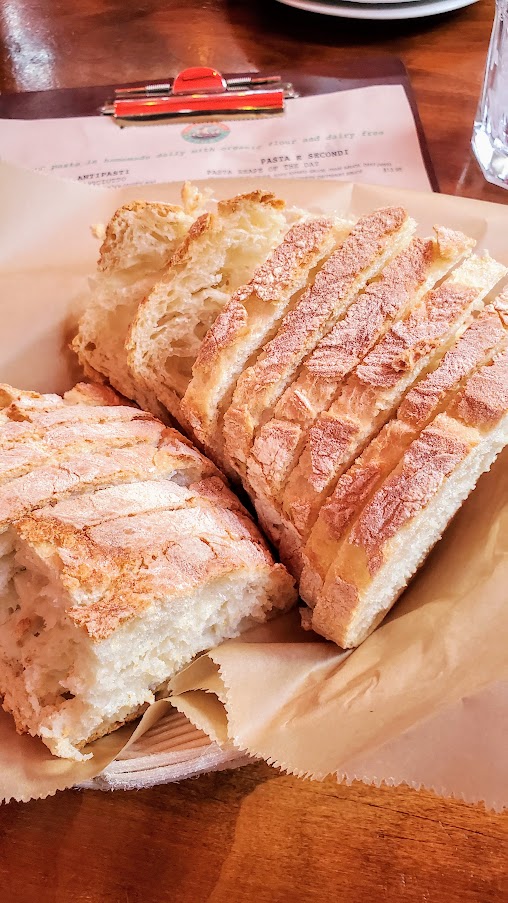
column 373, row 9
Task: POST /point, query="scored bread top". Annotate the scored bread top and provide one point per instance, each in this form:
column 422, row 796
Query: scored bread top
column 481, row 341
column 220, row 253
column 373, row 239
column 82, row 472
column 167, row 542
column 171, row 528
column 484, row 398
column 60, row 442
column 402, row 284
column 435, row 474
column 15, row 404
column 250, row 318
column 58, row 447
column 374, row 390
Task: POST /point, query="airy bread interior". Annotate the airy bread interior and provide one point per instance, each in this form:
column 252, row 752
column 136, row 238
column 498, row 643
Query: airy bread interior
column 61, row 684
column 221, row 253
column 140, row 240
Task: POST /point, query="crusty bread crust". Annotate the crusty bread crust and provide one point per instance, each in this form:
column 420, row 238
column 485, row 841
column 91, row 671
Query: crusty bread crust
column 402, row 284
column 408, row 491
column 485, row 337
column 372, row 393
column 374, row 239
column 124, row 564
column 473, row 429
column 250, row 319
column 364, row 390
column 93, row 394
column 45, row 452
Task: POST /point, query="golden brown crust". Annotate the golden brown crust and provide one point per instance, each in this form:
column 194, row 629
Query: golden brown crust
column 32, row 422
column 83, row 472
column 9, row 395
column 478, row 343
column 127, row 564
column 484, row 399
column 231, row 320
column 270, row 280
column 94, row 394
column 261, row 384
column 335, row 356
column 105, row 730
column 339, row 352
column 199, row 226
column 354, row 486
column 64, row 441
column 230, row 205
column 375, row 387
column 422, row 471
column 335, row 609
column 424, row 466
column 482, row 335
column 413, row 338
column 271, row 450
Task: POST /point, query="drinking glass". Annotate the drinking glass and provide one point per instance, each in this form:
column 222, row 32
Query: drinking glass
column 490, row 133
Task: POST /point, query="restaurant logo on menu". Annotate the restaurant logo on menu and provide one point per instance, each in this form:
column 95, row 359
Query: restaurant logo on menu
column 205, row 132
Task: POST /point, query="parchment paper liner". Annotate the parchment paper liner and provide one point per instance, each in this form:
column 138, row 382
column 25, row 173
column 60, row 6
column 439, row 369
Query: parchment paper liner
column 423, row 701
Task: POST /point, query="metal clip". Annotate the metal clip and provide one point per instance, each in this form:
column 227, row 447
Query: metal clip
column 198, row 92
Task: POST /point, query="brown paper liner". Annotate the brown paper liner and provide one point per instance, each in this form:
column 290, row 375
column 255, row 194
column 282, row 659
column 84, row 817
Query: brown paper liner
column 423, row 701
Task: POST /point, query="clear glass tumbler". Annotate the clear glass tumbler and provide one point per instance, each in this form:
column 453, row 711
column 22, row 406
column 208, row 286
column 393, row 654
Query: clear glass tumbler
column 490, row 134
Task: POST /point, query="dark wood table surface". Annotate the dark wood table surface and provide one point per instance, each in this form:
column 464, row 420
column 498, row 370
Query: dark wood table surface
column 253, row 834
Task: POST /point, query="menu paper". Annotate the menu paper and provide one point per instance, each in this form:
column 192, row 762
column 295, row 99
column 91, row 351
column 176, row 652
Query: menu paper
column 424, row 700
column 366, row 135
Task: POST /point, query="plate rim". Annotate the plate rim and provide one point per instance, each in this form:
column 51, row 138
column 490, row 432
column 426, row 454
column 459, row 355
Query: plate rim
column 373, row 9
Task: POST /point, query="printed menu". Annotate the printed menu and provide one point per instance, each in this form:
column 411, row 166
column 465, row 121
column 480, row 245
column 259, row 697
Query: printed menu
column 365, row 134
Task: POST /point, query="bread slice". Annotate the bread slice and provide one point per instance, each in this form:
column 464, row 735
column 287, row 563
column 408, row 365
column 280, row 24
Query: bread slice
column 373, row 392
column 485, row 336
column 409, row 512
column 220, row 254
column 372, row 242
column 140, row 240
column 108, row 597
column 401, row 285
column 250, row 319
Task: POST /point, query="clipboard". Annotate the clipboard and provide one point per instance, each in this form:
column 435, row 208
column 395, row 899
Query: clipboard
column 347, row 74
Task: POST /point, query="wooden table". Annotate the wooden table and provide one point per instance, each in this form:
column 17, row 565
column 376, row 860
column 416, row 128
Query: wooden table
column 253, row 834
